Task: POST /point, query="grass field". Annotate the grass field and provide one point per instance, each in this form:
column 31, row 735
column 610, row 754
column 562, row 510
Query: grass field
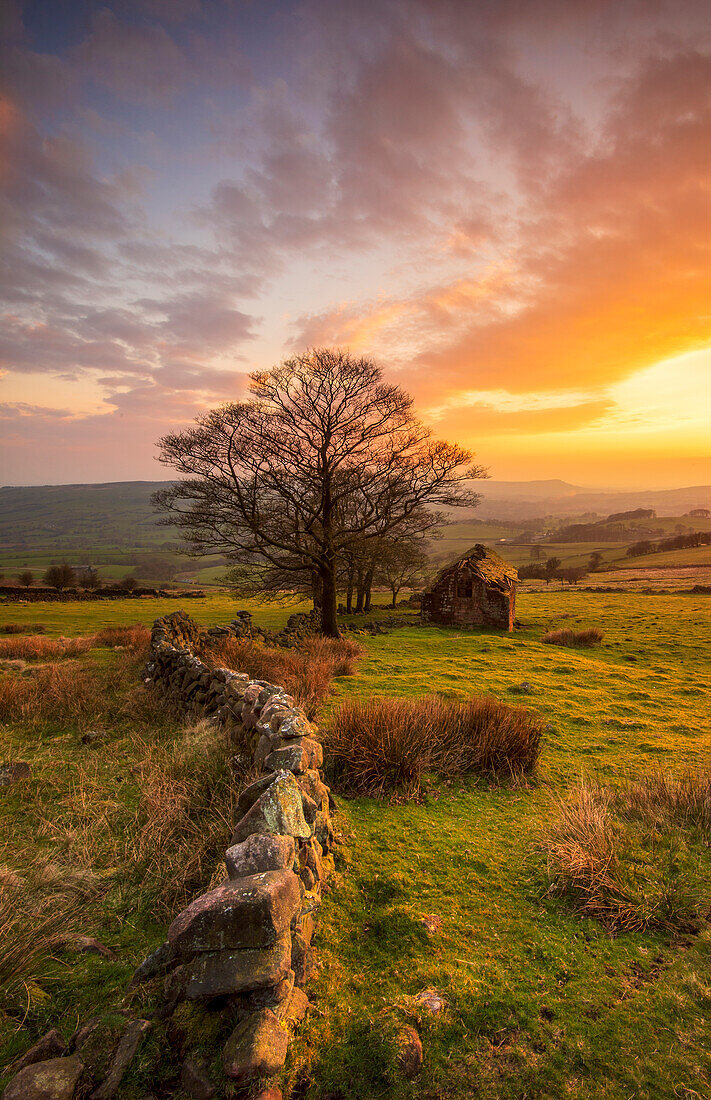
column 537, row 1002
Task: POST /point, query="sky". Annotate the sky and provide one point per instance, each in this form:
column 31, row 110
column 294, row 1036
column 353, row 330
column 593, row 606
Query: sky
column 506, row 203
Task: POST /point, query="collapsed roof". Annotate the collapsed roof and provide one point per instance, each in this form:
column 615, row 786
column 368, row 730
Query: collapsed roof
column 485, row 563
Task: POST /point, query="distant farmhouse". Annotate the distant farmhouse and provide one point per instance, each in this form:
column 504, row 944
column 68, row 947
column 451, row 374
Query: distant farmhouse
column 479, row 589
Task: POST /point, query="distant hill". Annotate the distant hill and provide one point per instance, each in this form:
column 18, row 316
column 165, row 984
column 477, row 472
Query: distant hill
column 81, row 516
column 114, row 526
column 521, row 500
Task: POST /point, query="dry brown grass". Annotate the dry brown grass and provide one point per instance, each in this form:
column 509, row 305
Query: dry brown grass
column 659, row 798
column 137, row 638
column 578, row 638
column 387, row 745
column 160, row 853
column 69, row 693
column 22, row 628
column 35, row 647
column 40, row 909
column 625, row 856
column 185, row 816
column 306, row 672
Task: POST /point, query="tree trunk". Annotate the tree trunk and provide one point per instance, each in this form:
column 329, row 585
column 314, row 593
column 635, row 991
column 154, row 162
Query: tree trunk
column 368, row 589
column 316, row 589
column 329, row 601
column 394, row 592
column 349, row 592
column 360, row 593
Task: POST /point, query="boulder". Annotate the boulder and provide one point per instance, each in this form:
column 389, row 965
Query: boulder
column 259, row 852
column 301, row 958
column 51, row 1045
column 215, row 974
column 323, row 830
column 310, row 809
column 54, row 1079
column 301, row 755
column 256, row 1048
column 262, row 751
column 245, row 913
column 272, row 995
column 277, row 811
column 311, row 784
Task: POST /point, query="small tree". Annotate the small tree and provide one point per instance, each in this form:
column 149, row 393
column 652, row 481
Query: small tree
column 25, row 578
column 128, row 583
column 399, row 565
column 572, row 573
column 596, row 560
column 88, row 578
column 60, row 576
column 552, row 566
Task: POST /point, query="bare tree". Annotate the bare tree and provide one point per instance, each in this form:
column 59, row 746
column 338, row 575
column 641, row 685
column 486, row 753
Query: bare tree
column 60, row 576
column 400, row 564
column 323, row 455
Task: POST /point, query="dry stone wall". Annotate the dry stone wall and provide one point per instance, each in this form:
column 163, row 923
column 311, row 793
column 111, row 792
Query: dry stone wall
column 244, row 947
column 249, row 940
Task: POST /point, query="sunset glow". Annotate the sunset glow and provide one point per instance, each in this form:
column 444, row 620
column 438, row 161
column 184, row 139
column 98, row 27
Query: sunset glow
column 508, row 205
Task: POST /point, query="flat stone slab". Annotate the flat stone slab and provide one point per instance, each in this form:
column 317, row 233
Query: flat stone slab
column 223, row 972
column 249, row 912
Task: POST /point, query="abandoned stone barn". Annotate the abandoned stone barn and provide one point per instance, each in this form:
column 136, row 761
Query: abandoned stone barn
column 479, row 589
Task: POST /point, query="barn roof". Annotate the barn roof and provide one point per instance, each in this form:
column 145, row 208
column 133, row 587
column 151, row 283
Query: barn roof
column 484, row 562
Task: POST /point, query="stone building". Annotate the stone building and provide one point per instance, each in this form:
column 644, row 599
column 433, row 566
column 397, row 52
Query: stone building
column 479, row 589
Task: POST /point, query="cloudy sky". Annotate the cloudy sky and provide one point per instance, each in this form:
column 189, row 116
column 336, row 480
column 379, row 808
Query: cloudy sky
column 506, row 202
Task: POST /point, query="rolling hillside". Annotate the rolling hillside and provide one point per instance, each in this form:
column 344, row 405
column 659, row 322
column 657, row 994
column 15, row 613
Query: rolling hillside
column 114, row 527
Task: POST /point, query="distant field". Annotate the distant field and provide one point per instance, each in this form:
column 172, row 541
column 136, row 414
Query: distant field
column 694, row 555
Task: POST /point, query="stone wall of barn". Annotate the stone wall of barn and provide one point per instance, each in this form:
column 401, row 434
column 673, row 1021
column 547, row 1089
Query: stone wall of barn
column 487, row 605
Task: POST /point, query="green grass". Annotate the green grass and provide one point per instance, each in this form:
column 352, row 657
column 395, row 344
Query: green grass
column 75, row 617
column 539, row 1003
column 693, row 555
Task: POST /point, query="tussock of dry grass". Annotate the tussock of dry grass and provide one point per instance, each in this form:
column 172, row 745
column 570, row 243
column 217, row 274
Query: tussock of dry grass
column 185, row 816
column 35, row 647
column 40, row 909
column 137, row 638
column 22, row 628
column 164, row 851
column 306, row 672
column 384, row 745
column 577, row 638
column 70, row 693
column 626, row 856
